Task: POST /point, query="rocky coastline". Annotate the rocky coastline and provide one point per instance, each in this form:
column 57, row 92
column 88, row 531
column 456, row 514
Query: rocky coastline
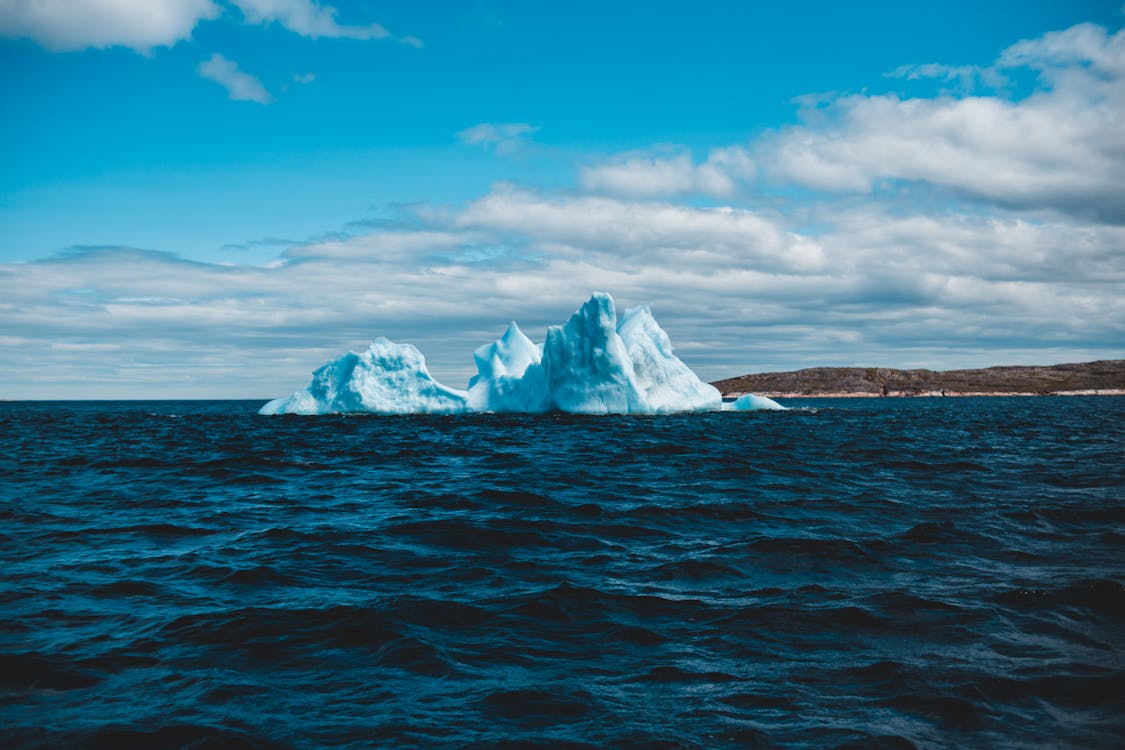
column 1100, row 378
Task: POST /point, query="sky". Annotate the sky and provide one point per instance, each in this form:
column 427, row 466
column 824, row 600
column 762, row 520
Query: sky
column 211, row 198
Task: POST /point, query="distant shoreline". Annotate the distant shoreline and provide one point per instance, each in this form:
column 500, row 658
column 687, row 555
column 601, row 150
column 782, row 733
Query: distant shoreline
column 1100, row 378
column 933, row 394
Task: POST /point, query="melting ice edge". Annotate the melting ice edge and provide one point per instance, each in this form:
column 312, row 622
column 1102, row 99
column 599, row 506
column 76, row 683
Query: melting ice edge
column 592, row 364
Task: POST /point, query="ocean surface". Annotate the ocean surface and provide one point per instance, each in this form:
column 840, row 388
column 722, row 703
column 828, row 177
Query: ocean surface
column 857, row 573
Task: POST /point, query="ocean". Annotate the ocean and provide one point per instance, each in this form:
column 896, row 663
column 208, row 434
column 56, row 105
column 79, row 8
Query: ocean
column 853, row 573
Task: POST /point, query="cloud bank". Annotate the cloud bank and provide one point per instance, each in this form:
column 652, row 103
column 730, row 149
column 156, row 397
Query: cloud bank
column 735, row 290
column 1060, row 148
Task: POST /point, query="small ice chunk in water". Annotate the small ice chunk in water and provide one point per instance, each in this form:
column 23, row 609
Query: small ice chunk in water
column 750, row 402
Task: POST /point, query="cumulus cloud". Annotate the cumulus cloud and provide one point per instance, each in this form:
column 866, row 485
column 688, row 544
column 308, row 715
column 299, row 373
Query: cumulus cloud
column 655, row 176
column 66, row 25
column 504, row 137
column 240, row 86
column 1060, row 148
column 1083, row 45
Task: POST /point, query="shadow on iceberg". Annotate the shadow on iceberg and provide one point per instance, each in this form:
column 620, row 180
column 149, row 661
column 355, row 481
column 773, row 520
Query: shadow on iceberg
column 592, row 364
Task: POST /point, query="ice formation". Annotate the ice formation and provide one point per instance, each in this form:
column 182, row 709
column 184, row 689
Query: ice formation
column 592, row 364
column 750, row 402
column 509, row 375
column 388, row 378
column 588, row 369
column 667, row 383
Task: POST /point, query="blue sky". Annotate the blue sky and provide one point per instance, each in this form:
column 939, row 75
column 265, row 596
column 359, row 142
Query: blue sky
column 211, row 197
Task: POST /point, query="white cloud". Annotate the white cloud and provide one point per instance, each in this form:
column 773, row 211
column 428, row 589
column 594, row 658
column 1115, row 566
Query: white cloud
column 1040, row 151
column 65, row 25
column 304, row 78
column 240, row 86
column 653, row 176
column 992, row 249
column 1060, row 148
column 505, row 137
column 633, row 234
column 1083, row 45
column 307, row 18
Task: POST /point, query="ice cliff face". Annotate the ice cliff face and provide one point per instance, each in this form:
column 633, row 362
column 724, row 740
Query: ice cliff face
column 667, row 383
column 587, row 366
column 593, row 364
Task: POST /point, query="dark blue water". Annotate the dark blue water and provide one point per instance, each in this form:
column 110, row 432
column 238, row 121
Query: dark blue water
column 887, row 573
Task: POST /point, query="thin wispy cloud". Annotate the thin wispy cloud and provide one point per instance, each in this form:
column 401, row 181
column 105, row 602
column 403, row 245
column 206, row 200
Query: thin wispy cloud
column 504, row 138
column 965, row 79
column 311, row 19
column 240, row 86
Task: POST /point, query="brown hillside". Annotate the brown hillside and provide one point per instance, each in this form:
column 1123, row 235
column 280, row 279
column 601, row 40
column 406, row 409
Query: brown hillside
column 1103, row 375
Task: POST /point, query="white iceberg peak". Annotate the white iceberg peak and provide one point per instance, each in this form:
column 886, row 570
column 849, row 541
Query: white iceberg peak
column 511, row 354
column 587, row 365
column 509, row 376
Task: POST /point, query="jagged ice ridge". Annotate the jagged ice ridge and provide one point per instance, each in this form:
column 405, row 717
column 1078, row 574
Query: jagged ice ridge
column 592, row 364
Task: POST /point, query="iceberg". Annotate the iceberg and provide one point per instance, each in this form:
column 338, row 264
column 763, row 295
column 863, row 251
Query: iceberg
column 592, row 364
column 388, row 378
